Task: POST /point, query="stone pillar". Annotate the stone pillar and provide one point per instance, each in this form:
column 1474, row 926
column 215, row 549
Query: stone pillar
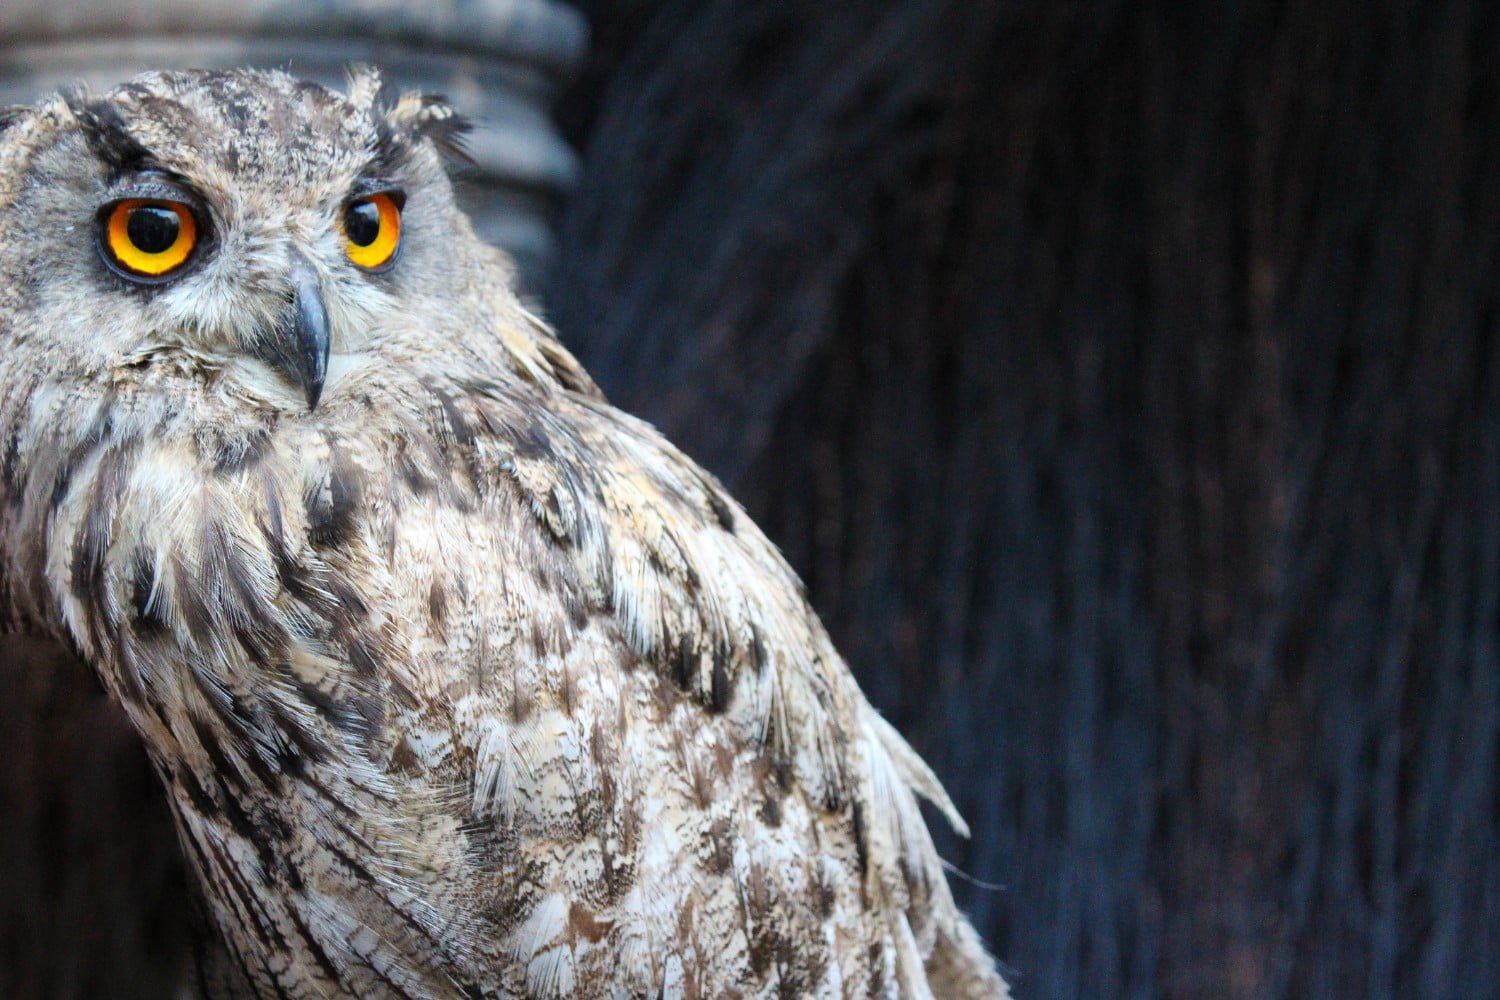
column 499, row 61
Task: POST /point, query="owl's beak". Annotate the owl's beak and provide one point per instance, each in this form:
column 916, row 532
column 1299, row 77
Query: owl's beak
column 298, row 348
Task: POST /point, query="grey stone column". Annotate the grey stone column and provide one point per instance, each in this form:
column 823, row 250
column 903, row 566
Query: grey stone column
column 499, row 61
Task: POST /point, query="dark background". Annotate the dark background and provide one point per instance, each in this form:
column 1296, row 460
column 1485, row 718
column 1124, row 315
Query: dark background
column 1122, row 379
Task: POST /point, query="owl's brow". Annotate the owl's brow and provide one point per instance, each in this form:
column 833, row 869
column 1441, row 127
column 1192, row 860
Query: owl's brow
column 103, row 127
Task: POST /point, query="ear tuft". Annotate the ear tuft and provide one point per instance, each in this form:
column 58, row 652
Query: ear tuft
column 366, row 89
column 430, row 116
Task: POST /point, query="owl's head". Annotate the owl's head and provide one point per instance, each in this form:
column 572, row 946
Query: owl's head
column 248, row 227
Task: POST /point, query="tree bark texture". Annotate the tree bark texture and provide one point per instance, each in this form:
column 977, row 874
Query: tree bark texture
column 1123, row 381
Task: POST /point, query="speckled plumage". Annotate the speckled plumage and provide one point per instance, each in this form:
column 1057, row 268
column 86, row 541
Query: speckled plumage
column 460, row 682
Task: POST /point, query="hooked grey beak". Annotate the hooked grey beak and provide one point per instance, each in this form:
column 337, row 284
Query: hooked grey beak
column 298, row 347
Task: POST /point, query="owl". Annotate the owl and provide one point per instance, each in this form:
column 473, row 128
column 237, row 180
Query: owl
column 459, row 681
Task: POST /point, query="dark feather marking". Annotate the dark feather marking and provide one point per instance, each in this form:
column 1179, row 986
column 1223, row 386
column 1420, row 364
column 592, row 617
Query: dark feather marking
column 308, row 746
column 271, row 938
column 88, row 583
column 371, row 712
column 251, row 617
column 62, row 479
column 577, row 609
column 554, row 507
column 416, row 479
column 861, row 836
column 355, row 867
column 530, row 440
column 298, row 581
column 15, row 485
column 458, row 424
column 692, row 583
column 256, row 624
column 340, row 716
column 437, row 609
column 350, row 608
column 281, row 993
column 291, row 762
column 237, row 889
column 825, row 894
column 404, row 759
column 256, row 642
column 268, row 773
column 294, row 578
column 520, row 703
column 241, row 453
column 343, row 807
column 331, row 518
column 757, row 650
column 256, row 836
column 194, row 610
column 96, row 433
column 484, row 388
column 330, row 597
column 781, row 770
column 687, row 662
column 719, row 689
column 720, row 853
column 363, row 873
column 200, row 799
column 108, row 137
column 567, row 690
column 722, row 511
column 347, row 811
column 149, row 618
column 541, row 638
column 316, row 949
column 761, row 932
column 362, row 658
column 224, row 770
column 130, row 676
column 273, row 528
column 404, row 695
column 10, row 115
column 566, row 370
column 245, row 828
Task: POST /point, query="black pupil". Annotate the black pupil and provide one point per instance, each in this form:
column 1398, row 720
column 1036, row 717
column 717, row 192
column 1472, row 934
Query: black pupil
column 152, row 229
column 362, row 223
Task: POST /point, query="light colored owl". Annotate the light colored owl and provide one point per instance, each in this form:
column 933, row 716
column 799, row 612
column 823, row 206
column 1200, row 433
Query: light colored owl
column 460, row 682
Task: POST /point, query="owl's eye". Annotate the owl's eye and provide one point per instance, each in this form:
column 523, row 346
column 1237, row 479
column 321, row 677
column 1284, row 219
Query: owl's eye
column 372, row 230
column 149, row 238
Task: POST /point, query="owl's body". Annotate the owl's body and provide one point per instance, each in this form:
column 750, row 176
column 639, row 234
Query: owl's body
column 460, row 682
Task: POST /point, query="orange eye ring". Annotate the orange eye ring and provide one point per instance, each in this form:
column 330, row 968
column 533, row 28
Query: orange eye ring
column 148, row 237
column 372, row 230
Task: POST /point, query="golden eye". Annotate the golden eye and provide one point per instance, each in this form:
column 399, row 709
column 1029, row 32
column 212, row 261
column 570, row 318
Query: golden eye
column 372, row 230
column 150, row 238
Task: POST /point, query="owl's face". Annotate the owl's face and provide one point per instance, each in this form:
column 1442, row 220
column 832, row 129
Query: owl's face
column 256, row 233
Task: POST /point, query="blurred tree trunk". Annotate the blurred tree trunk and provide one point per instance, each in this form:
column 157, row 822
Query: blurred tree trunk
column 1123, row 380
